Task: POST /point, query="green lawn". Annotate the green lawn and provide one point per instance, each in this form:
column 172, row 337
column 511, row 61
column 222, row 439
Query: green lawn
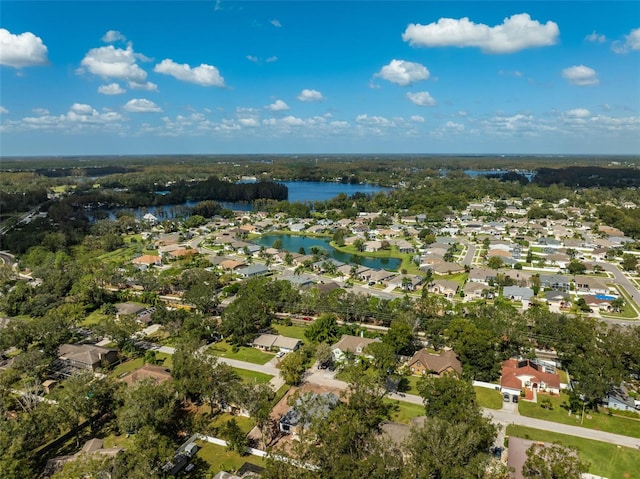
column 404, row 411
column 250, row 355
column 94, row 318
column 246, row 423
column 253, row 377
column 413, row 384
column 219, row 459
column 293, row 331
column 607, row 460
column 489, row 398
column 599, row 421
column 165, row 360
column 126, row 367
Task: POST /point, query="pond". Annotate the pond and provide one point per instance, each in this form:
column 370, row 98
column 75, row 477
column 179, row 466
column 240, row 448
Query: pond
column 293, row 244
column 299, row 191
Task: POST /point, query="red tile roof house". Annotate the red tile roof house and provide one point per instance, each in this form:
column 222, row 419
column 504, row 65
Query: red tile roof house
column 518, row 375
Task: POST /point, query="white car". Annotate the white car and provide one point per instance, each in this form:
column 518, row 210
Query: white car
column 279, row 354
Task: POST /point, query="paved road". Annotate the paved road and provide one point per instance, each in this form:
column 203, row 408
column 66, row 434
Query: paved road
column 503, row 417
column 471, row 252
column 622, row 280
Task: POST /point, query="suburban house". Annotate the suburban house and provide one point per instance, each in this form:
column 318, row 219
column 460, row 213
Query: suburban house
column 142, row 313
column 267, row 342
column 555, row 282
column 158, row 374
column 447, row 288
column 482, row 275
column 589, row 284
column 520, row 374
column 618, row 398
column 350, row 345
column 252, row 271
column 474, row 290
column 308, row 407
column 517, row 293
column 443, row 364
column 560, row 299
column 146, row 260
column 407, row 282
column 86, row 356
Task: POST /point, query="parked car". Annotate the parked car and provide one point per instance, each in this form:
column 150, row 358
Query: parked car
column 189, row 467
column 514, row 398
column 506, row 397
column 307, row 318
column 279, row 354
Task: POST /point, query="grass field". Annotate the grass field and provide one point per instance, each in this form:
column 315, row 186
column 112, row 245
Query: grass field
column 405, row 411
column 252, row 377
column 250, row 355
column 607, row 460
column 126, row 367
column 293, row 331
column 489, row 398
column 599, row 421
column 217, row 458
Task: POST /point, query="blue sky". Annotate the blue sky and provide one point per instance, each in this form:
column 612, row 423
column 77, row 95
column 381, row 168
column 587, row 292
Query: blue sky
column 149, row 77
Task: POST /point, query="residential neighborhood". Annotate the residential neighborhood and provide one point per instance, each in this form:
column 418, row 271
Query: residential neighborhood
column 246, row 334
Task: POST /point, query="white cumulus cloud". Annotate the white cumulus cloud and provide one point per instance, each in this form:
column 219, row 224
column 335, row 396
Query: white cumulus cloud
column 403, row 73
column 82, row 109
column 204, row 75
column 278, row 105
column 113, row 36
column 40, row 111
column 112, row 62
column 580, row 75
column 111, row 89
column 272, row 59
column 23, row 50
column 595, row 37
column 310, row 95
column 515, row 33
column 276, row 23
column 3, row 111
column 252, row 58
column 631, row 42
column 417, row 118
column 578, row 113
column 421, row 98
column 142, row 105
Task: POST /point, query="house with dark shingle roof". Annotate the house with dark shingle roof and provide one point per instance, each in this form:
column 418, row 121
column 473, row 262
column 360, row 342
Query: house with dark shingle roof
column 445, row 363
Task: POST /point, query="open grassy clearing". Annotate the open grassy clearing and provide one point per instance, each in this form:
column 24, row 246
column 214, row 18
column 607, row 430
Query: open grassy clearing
column 253, row 377
column 219, row 459
column 293, row 331
column 607, row 460
column 404, row 412
column 600, row 421
column 489, row 398
column 250, row 355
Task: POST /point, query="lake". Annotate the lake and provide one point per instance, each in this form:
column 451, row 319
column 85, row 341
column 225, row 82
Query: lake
column 299, row 191
column 293, row 244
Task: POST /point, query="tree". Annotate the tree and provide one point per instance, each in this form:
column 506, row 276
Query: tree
column 629, row 262
column 236, row 439
column 400, row 337
column 258, row 400
column 324, row 329
column 292, row 367
column 448, row 398
column 324, row 355
column 495, row 262
column 383, row 358
column 147, row 404
column 576, row 267
column 277, row 244
column 553, row 461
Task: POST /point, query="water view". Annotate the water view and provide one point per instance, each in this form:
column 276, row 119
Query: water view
column 293, row 244
column 299, row 191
